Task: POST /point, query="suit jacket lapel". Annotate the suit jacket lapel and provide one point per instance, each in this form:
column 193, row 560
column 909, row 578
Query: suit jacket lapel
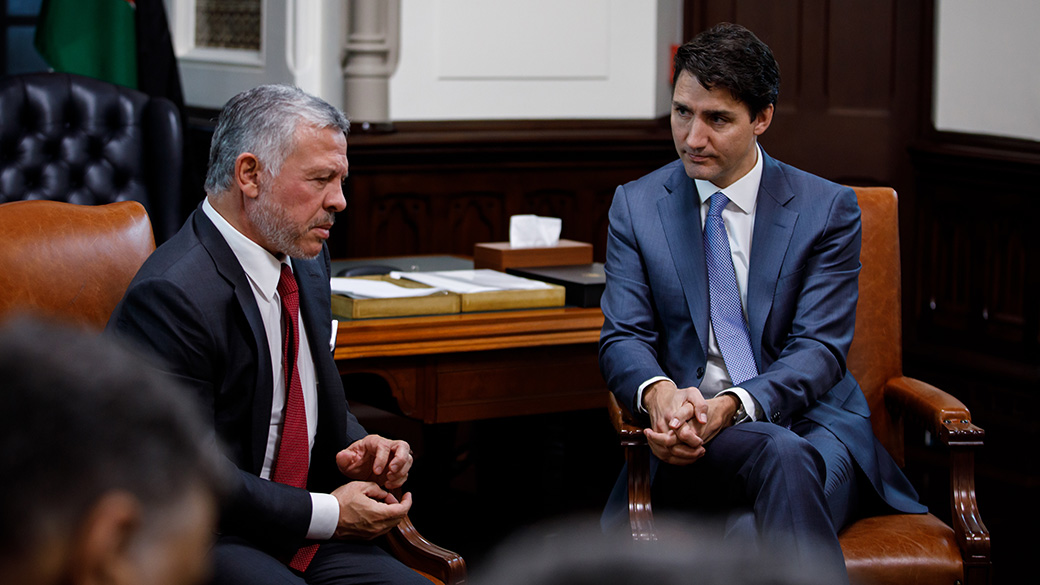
column 230, row 269
column 774, row 225
column 314, row 303
column 681, row 220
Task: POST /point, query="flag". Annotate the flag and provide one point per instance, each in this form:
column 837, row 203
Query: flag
column 157, row 73
column 95, row 38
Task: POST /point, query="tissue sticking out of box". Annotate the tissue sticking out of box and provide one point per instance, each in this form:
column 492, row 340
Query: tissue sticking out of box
column 533, row 231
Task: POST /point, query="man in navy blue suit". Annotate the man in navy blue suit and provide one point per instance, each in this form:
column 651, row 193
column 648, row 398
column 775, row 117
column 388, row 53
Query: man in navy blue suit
column 237, row 307
column 729, row 310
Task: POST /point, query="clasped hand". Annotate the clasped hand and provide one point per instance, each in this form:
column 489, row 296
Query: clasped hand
column 367, row 508
column 682, row 422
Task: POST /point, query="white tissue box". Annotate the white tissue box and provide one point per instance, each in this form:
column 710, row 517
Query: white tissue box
column 500, row 255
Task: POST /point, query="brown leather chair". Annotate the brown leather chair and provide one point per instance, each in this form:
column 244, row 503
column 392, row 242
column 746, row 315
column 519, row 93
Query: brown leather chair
column 73, row 263
column 70, row 262
column 894, row 549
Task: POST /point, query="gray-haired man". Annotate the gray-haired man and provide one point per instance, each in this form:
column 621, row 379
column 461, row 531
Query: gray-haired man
column 237, row 305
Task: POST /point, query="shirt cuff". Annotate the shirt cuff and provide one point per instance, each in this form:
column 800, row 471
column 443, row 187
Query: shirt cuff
column 324, row 517
column 746, row 401
column 644, row 386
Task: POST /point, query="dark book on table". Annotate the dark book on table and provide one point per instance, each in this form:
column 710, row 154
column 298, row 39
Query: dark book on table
column 583, row 283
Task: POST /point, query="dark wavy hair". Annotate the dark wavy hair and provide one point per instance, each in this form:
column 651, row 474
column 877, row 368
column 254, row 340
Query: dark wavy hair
column 732, row 57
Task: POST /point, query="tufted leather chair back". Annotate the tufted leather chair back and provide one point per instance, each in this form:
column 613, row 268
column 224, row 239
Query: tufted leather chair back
column 876, row 354
column 70, row 138
column 70, row 262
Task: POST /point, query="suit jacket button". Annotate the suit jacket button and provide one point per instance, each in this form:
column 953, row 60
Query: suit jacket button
column 700, row 372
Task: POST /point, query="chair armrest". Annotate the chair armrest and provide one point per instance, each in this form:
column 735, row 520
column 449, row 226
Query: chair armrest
column 936, row 411
column 628, row 429
column 950, row 421
column 412, row 549
column 637, row 457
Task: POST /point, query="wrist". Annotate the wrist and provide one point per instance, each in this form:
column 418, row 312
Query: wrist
column 647, row 394
column 653, row 392
column 733, row 409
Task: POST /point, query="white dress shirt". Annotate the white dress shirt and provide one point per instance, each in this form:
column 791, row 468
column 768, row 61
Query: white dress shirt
column 739, row 218
column 263, row 270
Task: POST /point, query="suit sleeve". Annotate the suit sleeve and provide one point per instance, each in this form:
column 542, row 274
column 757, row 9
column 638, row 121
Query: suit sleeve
column 627, row 353
column 161, row 318
column 818, row 299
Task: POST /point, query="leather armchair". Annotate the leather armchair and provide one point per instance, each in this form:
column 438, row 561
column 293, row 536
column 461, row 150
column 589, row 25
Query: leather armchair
column 65, row 137
column 902, row 549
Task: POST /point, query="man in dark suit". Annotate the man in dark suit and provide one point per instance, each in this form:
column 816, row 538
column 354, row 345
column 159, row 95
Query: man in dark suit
column 729, row 310
column 218, row 305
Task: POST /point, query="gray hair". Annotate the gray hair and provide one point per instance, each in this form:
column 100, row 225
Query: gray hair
column 83, row 416
column 263, row 121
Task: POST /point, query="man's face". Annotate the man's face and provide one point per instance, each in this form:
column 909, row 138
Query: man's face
column 713, row 132
column 295, row 209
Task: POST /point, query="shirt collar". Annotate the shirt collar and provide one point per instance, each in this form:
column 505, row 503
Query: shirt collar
column 261, row 267
column 743, row 193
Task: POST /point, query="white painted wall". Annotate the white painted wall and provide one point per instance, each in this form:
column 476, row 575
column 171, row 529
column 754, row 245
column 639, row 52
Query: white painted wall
column 534, row 59
column 987, row 75
column 301, row 45
column 462, row 59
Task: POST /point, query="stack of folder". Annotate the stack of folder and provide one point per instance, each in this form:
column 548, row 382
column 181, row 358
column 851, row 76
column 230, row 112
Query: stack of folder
column 401, row 294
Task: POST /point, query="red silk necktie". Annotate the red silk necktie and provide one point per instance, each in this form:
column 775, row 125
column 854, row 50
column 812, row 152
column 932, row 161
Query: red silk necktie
column 292, row 460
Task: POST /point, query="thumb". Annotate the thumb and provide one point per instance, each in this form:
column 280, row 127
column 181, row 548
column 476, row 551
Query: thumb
column 372, row 490
column 346, row 458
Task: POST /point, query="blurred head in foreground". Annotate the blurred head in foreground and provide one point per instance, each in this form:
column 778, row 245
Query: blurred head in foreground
column 106, row 472
column 575, row 551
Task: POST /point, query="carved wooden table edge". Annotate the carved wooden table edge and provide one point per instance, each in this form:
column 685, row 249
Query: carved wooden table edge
column 437, row 334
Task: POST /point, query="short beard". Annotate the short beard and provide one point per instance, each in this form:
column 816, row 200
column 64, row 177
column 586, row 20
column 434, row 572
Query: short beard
column 277, row 228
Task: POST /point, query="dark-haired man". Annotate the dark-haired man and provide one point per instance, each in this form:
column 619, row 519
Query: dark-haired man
column 107, row 474
column 237, row 306
column 730, row 306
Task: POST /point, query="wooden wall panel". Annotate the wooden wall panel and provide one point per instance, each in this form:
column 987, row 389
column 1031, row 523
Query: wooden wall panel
column 861, row 52
column 399, row 221
column 850, row 93
column 1005, row 258
column 978, row 287
column 472, row 217
column 439, row 188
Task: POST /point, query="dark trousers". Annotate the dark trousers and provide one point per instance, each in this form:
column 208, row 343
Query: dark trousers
column 336, row 563
column 789, row 490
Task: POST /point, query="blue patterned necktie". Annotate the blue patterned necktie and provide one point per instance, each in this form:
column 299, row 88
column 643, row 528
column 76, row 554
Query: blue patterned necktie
column 727, row 315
